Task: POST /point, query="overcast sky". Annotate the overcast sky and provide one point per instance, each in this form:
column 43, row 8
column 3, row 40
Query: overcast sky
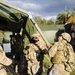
column 44, row 8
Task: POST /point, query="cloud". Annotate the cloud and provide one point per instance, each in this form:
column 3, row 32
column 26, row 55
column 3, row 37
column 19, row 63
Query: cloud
column 50, row 17
column 31, row 6
column 44, row 8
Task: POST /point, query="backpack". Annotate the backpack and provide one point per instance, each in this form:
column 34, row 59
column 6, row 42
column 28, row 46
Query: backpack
column 69, row 65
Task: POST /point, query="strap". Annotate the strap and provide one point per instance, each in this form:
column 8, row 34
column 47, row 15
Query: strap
column 8, row 68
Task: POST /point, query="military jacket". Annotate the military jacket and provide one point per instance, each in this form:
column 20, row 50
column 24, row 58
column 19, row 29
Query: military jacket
column 61, row 53
column 30, row 52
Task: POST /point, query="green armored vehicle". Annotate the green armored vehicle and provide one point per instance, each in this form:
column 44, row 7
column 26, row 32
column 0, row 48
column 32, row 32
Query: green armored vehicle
column 20, row 25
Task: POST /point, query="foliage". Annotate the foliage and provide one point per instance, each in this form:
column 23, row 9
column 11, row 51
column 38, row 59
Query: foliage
column 73, row 12
column 61, row 18
column 43, row 21
column 50, row 22
column 39, row 20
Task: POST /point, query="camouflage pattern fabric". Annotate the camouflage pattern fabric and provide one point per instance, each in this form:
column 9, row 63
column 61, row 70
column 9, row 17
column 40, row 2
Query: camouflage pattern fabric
column 40, row 41
column 30, row 54
column 53, row 71
column 66, row 36
column 61, row 53
column 34, row 54
column 42, row 50
column 35, row 69
column 3, row 61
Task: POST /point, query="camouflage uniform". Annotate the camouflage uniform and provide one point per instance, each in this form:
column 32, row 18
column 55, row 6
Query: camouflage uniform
column 42, row 50
column 3, row 61
column 62, row 56
column 33, row 54
column 30, row 54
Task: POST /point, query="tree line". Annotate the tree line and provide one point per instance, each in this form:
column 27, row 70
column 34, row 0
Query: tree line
column 60, row 19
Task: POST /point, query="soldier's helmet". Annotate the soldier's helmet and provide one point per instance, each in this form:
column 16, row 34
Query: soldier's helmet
column 3, row 58
column 36, row 37
column 66, row 36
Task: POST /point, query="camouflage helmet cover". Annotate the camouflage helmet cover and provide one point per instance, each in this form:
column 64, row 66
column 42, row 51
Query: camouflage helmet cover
column 66, row 36
column 3, row 58
column 36, row 36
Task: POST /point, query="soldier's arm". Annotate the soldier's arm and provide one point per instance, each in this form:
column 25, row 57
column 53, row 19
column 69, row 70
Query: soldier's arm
column 52, row 51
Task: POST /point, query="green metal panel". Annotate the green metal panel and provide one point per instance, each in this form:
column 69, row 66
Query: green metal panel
column 29, row 31
column 11, row 18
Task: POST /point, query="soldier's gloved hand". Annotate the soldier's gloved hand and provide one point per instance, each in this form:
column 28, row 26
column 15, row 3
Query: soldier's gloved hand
column 48, row 45
column 27, row 47
column 38, row 53
column 44, row 51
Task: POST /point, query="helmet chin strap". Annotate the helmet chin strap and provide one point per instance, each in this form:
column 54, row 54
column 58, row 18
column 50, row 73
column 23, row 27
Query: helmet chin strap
column 64, row 38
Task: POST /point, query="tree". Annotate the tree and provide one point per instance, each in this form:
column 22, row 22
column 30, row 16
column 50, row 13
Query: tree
column 73, row 11
column 50, row 22
column 61, row 18
column 44, row 22
column 38, row 20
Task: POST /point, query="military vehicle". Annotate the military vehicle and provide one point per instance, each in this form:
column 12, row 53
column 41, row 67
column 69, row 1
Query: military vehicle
column 21, row 25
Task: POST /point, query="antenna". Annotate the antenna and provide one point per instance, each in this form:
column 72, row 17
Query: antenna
column 65, row 14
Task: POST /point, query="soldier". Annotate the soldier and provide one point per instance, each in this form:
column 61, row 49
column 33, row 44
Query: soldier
column 34, row 55
column 62, row 56
column 31, row 59
column 4, row 61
